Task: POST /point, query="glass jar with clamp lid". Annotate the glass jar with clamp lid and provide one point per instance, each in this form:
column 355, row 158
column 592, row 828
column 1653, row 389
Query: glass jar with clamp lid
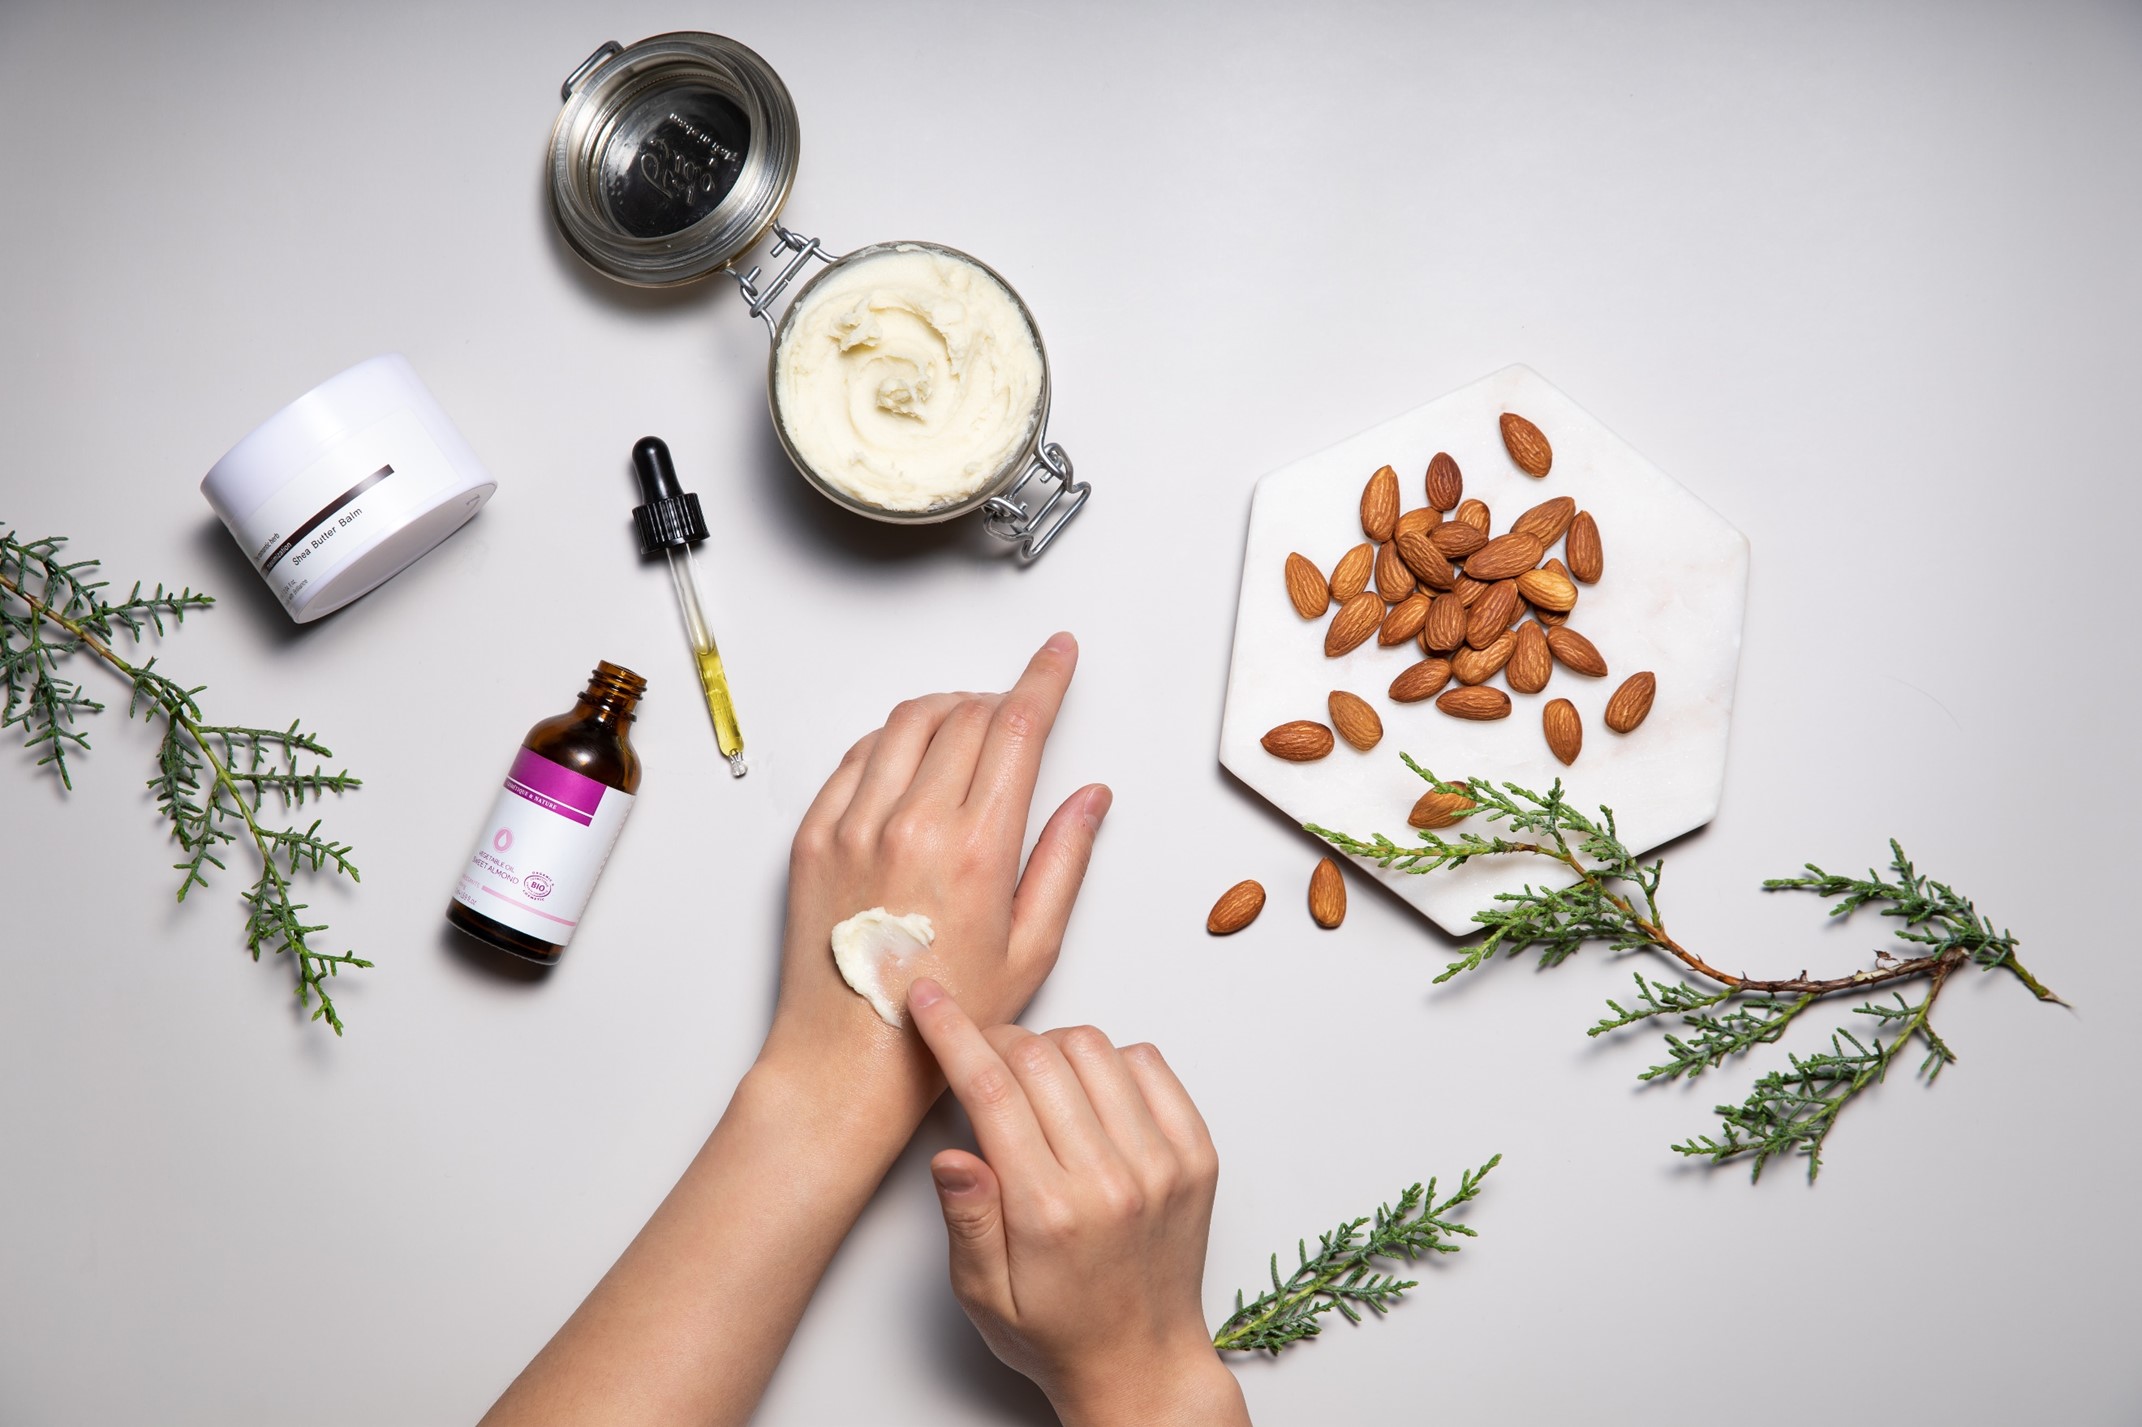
column 907, row 380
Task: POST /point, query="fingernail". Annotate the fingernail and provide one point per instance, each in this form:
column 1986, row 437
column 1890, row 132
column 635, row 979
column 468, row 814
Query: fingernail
column 953, row 1178
column 1062, row 642
column 924, row 994
column 1098, row 801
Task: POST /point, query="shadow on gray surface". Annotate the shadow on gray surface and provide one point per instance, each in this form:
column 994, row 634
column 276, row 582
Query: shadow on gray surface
column 488, row 961
column 806, row 515
column 238, row 587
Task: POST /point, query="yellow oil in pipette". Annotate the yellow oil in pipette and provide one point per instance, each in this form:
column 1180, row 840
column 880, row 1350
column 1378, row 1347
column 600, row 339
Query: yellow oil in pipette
column 670, row 521
column 728, row 737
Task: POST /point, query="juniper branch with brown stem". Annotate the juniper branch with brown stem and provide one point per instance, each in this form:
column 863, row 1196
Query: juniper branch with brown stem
column 1613, row 898
column 212, row 781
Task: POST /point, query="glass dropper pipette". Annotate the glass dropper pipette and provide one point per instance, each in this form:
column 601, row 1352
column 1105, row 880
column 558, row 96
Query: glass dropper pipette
column 670, row 522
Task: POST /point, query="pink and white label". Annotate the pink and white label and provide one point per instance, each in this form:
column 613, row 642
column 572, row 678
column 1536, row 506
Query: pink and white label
column 543, row 849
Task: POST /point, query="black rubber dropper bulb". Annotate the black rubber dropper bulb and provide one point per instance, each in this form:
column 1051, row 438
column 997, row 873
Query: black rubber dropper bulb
column 670, row 516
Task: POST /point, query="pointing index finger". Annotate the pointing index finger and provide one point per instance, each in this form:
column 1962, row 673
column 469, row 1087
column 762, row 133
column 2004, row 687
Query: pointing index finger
column 1004, row 1123
column 1010, row 761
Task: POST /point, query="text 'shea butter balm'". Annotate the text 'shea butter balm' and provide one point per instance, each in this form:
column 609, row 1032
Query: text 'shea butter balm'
column 346, row 486
column 564, row 803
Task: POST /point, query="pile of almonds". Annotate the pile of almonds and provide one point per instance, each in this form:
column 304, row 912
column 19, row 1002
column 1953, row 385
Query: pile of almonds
column 1442, row 579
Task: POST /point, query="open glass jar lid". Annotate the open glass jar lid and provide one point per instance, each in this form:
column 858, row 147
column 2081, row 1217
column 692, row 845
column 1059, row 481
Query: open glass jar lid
column 908, row 381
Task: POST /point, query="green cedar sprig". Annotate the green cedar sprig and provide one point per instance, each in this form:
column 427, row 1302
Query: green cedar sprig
column 1343, row 1276
column 212, row 781
column 1614, row 899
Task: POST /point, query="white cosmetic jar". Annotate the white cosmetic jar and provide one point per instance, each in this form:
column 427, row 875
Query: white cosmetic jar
column 347, row 486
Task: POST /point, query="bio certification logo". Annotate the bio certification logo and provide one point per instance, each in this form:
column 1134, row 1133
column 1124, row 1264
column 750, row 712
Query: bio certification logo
column 537, row 885
column 504, row 839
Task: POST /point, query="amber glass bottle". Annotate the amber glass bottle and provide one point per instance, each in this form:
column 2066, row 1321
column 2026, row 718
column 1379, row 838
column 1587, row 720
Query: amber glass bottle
column 556, row 820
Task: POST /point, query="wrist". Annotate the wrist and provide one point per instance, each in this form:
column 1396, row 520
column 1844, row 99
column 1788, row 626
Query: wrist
column 873, row 1093
column 1190, row 1388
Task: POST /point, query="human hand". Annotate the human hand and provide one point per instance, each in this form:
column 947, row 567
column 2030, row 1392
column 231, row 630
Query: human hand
column 1078, row 1236
column 928, row 814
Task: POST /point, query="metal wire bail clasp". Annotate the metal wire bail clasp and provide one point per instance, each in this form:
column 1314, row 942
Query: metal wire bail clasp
column 588, row 66
column 762, row 299
column 1009, row 518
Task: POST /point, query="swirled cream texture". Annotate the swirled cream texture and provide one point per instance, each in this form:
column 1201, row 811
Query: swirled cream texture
column 876, row 953
column 908, row 378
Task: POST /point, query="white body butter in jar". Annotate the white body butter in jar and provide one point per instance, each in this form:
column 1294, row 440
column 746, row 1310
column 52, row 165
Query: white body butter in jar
column 347, row 486
column 906, row 379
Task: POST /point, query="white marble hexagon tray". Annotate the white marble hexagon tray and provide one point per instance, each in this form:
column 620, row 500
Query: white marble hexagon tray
column 1670, row 600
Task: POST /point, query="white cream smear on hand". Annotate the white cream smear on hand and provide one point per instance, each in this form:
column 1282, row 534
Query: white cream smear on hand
column 875, row 952
column 908, row 379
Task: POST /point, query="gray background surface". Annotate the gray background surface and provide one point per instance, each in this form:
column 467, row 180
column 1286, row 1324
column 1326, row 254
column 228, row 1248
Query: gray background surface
column 1862, row 276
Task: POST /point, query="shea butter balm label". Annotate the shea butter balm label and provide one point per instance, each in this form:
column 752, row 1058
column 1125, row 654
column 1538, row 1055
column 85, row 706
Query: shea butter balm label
column 543, row 849
column 329, row 513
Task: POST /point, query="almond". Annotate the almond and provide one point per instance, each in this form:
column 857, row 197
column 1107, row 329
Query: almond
column 1631, row 702
column 1586, row 557
column 1475, row 703
column 1416, row 522
column 1422, row 681
column 1356, row 722
column 1445, row 484
column 1526, row 444
column 1350, row 576
column 1531, row 662
column 1237, row 908
column 1438, row 810
column 1548, row 520
column 1506, row 555
column 1469, row 590
column 1456, row 539
column 1553, row 617
column 1576, row 653
column 1298, row 742
column 1424, row 560
column 1564, row 730
column 1356, row 620
column 1492, row 613
column 1307, row 587
column 1379, row 505
column 1445, row 629
column 1547, row 590
column 1473, row 513
column 1393, row 580
column 1477, row 666
column 1404, row 621
column 1327, row 895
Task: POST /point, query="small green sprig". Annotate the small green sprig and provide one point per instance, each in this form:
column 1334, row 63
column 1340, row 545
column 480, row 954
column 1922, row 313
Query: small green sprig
column 212, row 782
column 1343, row 1276
column 1614, row 898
